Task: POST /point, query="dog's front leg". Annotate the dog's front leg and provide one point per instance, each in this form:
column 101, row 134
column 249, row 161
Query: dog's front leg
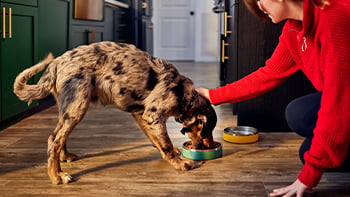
column 158, row 134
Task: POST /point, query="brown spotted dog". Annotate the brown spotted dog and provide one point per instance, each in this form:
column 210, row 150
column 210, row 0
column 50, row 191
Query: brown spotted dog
column 151, row 89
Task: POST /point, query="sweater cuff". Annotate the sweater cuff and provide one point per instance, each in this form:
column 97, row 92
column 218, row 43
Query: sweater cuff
column 310, row 176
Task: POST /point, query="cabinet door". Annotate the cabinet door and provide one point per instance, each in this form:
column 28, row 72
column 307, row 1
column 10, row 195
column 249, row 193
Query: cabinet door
column 53, row 26
column 121, row 24
column 116, row 24
column 147, row 28
column 109, row 23
column 17, row 53
column 82, row 35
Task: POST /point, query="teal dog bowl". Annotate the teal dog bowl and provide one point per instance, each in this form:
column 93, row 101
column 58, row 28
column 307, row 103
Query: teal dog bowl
column 201, row 154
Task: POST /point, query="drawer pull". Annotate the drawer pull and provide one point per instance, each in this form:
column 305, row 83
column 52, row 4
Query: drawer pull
column 223, row 57
column 226, row 17
column 10, row 22
column 93, row 36
column 3, row 23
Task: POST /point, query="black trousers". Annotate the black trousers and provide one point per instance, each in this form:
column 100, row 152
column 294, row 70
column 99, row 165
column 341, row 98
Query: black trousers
column 301, row 116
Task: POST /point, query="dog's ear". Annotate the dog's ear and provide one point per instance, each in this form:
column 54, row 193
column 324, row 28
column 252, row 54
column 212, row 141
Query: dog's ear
column 209, row 120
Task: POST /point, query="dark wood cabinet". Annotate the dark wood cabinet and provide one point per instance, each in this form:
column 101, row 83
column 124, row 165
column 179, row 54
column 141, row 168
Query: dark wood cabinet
column 250, row 44
column 116, row 24
column 83, row 34
column 141, row 24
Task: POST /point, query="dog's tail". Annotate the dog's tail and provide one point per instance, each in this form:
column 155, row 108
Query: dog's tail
column 37, row 91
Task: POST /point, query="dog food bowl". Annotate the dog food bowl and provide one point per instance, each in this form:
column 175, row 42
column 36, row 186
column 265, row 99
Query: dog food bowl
column 201, row 154
column 241, row 134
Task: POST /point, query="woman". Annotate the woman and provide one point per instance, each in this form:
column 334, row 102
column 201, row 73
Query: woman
column 316, row 40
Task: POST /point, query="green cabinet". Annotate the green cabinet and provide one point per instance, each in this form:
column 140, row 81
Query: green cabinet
column 42, row 26
column 54, row 18
column 16, row 53
column 22, row 2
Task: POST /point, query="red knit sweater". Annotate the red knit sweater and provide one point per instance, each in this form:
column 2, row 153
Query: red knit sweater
column 320, row 47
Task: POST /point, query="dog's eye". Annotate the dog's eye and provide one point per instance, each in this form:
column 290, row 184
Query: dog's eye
column 185, row 130
column 178, row 120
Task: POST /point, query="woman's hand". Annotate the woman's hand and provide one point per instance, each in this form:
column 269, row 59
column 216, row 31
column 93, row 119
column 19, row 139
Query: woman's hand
column 296, row 189
column 204, row 92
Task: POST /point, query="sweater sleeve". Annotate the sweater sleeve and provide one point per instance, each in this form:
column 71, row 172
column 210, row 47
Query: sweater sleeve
column 277, row 69
column 332, row 132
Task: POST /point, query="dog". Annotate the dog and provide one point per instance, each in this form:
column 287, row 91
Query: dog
column 118, row 74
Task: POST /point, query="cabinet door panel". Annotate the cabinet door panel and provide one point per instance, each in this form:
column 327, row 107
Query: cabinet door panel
column 147, row 26
column 109, row 26
column 53, row 27
column 17, row 53
column 22, row 2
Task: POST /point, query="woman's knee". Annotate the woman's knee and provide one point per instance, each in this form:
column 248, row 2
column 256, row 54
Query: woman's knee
column 301, row 114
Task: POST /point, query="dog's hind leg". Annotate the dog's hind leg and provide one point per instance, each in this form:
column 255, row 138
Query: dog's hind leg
column 158, row 135
column 64, row 154
column 73, row 103
column 68, row 122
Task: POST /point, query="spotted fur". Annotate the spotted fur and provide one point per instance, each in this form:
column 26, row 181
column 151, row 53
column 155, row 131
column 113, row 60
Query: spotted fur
column 150, row 88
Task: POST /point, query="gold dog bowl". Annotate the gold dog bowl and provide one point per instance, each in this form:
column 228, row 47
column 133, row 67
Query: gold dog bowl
column 241, row 134
column 201, row 154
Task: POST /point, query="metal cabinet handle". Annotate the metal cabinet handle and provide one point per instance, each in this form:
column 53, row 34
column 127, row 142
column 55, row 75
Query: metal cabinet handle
column 3, row 22
column 225, row 24
column 93, row 36
column 223, row 57
column 10, row 22
column 144, row 5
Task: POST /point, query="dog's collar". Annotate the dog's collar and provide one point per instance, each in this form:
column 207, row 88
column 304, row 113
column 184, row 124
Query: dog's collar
column 188, row 114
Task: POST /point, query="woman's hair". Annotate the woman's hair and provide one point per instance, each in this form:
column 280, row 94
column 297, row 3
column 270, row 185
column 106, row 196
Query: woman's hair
column 252, row 6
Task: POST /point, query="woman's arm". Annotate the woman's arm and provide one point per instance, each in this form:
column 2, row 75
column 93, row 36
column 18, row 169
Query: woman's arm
column 278, row 68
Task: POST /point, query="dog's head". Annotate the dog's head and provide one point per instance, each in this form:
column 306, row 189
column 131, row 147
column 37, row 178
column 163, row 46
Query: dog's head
column 199, row 122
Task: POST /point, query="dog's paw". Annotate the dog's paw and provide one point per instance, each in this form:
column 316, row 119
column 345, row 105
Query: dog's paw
column 63, row 177
column 56, row 180
column 66, row 178
column 185, row 165
column 68, row 157
column 177, row 151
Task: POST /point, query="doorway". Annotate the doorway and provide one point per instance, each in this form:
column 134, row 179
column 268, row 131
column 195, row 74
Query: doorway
column 186, row 30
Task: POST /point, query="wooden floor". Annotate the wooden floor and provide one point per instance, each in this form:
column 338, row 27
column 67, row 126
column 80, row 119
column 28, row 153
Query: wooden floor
column 117, row 159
